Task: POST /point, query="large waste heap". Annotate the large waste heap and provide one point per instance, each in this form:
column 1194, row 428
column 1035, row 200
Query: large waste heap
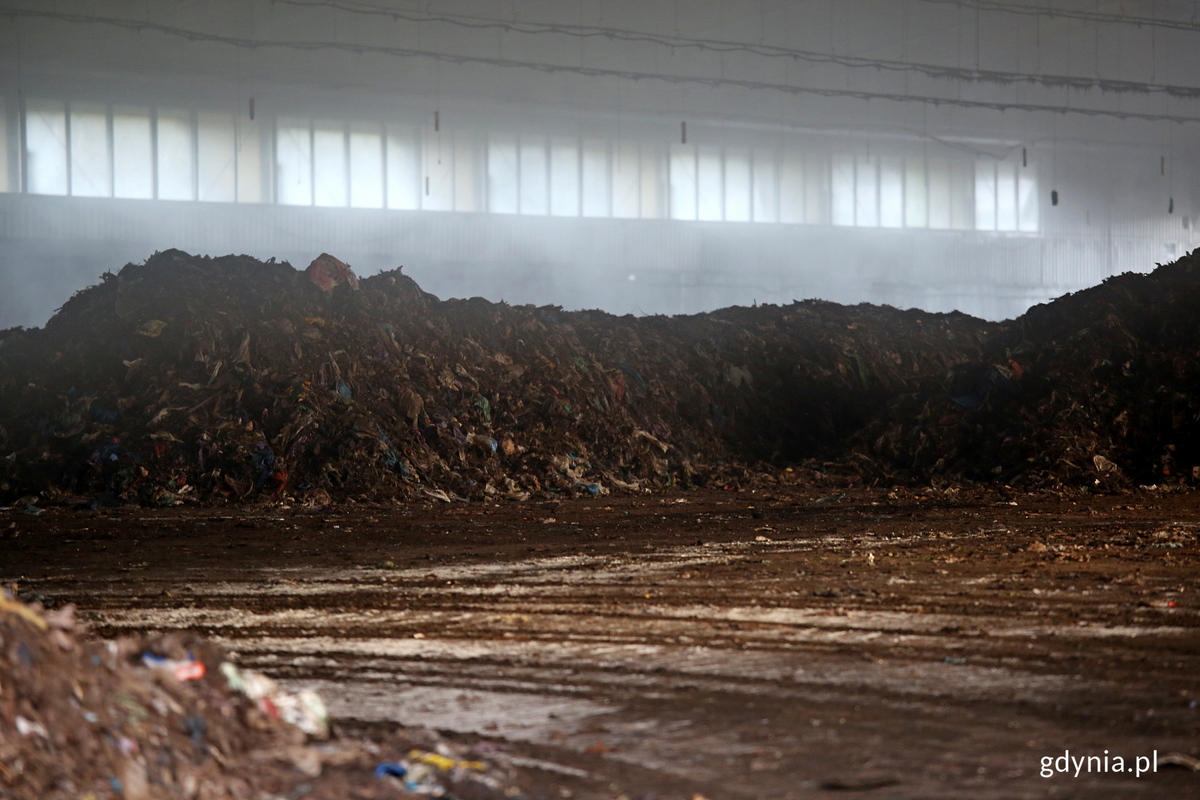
column 189, row 378
column 1098, row 388
column 192, row 378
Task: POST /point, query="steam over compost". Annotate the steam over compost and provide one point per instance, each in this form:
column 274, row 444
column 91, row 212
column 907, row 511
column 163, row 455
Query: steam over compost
column 208, row 379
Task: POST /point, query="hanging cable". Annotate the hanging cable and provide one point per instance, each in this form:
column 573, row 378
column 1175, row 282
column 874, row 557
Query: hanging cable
column 1065, row 13
column 402, row 52
column 723, row 46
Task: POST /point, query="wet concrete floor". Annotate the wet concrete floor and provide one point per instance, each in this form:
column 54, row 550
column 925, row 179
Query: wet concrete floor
column 772, row 644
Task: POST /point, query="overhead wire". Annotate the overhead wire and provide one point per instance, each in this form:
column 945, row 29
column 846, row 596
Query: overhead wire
column 767, row 51
column 1022, row 9
column 632, row 75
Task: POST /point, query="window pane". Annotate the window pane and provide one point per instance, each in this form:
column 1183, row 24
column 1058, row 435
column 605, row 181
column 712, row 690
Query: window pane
column 792, row 189
column 843, row 190
column 891, row 193
column 766, row 189
column 249, row 161
column 962, row 195
column 683, row 181
column 985, row 196
column 293, row 162
column 216, row 162
column 597, row 197
column 1027, row 200
column 330, row 170
column 366, row 166
column 91, row 174
column 46, row 147
column 866, row 195
column 627, row 180
column 6, row 184
column 1006, row 197
column 653, row 180
column 403, row 168
column 437, row 194
column 535, row 189
column 466, row 173
column 939, row 193
column 816, row 188
column 564, row 177
column 916, row 197
column 737, row 185
column 502, row 174
column 176, row 157
column 709, row 184
column 133, row 173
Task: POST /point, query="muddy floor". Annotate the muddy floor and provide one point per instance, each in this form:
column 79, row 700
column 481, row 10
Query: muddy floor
column 727, row 644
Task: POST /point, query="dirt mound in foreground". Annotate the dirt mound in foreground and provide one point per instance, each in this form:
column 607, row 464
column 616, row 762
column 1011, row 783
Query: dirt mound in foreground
column 189, row 378
column 168, row 718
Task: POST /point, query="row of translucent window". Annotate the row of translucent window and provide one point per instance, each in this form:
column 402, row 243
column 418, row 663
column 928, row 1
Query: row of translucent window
column 97, row 151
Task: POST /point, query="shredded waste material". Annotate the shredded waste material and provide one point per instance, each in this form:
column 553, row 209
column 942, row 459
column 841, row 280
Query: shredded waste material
column 200, row 379
column 195, row 379
column 1097, row 389
column 171, row 718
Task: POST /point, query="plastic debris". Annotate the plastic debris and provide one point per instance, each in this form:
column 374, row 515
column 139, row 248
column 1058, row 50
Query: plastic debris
column 391, row 769
column 108, row 719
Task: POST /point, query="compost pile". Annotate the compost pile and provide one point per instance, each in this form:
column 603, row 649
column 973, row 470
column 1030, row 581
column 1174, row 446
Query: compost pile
column 1096, row 389
column 208, row 379
column 169, row 718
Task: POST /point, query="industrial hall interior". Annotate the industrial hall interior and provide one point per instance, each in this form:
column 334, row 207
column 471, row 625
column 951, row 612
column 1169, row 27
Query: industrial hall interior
column 599, row 399
column 645, row 158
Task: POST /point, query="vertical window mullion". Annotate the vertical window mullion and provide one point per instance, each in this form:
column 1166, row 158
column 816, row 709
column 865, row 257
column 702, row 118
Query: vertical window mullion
column 70, row 161
column 778, row 179
column 854, row 190
column 237, row 166
column 346, row 160
column 154, row 152
column 112, row 160
column 724, row 182
column 879, row 191
column 22, row 145
column 272, row 165
column 383, row 142
column 194, row 142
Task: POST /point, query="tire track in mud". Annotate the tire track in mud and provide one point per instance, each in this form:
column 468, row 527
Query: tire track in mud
column 932, row 655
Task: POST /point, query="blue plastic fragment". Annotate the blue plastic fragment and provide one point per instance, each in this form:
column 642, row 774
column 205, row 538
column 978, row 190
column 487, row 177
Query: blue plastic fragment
column 632, row 372
column 343, row 389
column 594, row 488
column 391, row 769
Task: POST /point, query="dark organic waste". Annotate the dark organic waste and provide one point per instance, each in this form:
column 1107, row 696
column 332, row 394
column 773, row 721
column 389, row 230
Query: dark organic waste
column 1098, row 388
column 199, row 379
column 189, row 378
